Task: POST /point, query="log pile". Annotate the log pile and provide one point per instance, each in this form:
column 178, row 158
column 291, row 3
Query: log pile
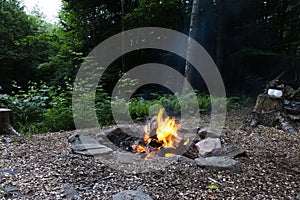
column 278, row 106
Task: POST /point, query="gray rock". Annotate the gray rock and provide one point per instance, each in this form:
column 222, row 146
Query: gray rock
column 74, row 138
column 87, row 145
column 70, row 192
column 10, row 171
column 91, row 149
column 7, row 140
column 12, row 190
column 207, row 145
column 132, row 195
column 64, row 154
column 127, row 158
column 207, row 132
column 219, row 163
column 229, row 151
column 183, row 159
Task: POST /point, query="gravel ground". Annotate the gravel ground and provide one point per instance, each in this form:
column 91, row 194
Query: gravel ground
column 44, row 164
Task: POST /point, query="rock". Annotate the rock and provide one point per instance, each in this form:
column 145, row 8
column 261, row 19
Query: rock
column 132, row 194
column 83, row 147
column 64, row 154
column 87, row 145
column 7, row 140
column 228, row 151
column 183, row 159
column 74, row 138
column 219, row 163
column 91, row 149
column 207, row 145
column 11, row 171
column 70, row 192
column 12, row 191
column 127, row 158
column 207, row 132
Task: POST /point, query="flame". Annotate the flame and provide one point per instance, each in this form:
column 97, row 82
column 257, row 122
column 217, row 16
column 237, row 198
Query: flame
column 166, row 135
column 166, row 132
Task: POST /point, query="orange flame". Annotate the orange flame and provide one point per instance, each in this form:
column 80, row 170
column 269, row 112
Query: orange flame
column 166, row 135
column 166, row 130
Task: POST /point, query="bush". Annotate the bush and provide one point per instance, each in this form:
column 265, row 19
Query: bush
column 41, row 108
column 58, row 115
column 28, row 107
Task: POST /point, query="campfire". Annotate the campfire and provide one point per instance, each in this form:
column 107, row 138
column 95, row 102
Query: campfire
column 161, row 139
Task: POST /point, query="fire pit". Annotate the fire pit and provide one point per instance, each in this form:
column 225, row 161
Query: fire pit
column 160, row 137
column 155, row 145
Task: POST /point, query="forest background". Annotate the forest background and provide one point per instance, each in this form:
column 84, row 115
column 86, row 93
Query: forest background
column 251, row 42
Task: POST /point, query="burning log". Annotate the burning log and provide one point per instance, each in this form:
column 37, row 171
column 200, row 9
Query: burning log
column 6, row 119
column 161, row 139
column 121, row 139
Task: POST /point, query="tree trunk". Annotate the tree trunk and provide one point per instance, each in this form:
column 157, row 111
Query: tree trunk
column 269, row 111
column 123, row 29
column 220, row 34
column 5, row 122
column 192, row 34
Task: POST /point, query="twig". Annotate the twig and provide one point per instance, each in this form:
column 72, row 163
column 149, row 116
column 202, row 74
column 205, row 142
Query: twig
column 215, row 181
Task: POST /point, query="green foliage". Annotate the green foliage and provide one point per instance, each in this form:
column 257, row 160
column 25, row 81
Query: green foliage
column 103, row 107
column 28, row 107
column 212, row 186
column 58, row 115
column 25, row 43
column 139, row 107
column 168, row 14
column 35, row 50
column 40, row 108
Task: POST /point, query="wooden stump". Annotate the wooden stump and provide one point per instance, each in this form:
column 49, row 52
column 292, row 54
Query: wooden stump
column 269, row 111
column 267, row 103
column 5, row 122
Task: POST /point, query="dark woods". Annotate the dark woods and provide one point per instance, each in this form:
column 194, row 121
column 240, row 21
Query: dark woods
column 250, row 41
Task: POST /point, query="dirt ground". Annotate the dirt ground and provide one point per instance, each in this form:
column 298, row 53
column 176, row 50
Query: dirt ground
column 44, row 163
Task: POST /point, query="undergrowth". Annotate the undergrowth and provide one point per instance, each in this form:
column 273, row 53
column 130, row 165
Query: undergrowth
column 41, row 108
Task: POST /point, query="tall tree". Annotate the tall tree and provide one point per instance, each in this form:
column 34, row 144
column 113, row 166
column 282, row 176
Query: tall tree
column 193, row 29
column 20, row 53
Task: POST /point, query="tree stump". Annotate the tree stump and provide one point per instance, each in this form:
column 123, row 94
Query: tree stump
column 266, row 103
column 269, row 111
column 6, row 121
